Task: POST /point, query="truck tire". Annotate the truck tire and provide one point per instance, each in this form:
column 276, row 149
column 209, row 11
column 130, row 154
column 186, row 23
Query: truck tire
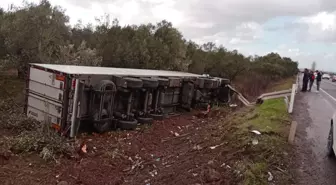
column 150, row 83
column 208, row 83
column 225, row 81
column 105, row 84
column 330, row 150
column 101, row 126
column 144, row 120
column 200, row 82
column 128, row 125
column 133, row 83
column 158, row 117
column 163, row 81
column 175, row 82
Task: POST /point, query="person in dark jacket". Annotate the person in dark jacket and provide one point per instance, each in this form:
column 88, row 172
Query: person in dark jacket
column 318, row 80
column 311, row 80
column 305, row 80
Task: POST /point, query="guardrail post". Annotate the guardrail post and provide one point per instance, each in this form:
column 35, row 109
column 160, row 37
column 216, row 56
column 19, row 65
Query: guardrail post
column 297, row 83
column 291, row 101
column 286, row 102
column 292, row 131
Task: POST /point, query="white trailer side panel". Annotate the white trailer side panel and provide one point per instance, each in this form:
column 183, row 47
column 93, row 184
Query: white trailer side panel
column 45, row 96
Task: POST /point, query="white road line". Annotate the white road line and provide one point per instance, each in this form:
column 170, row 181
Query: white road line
column 328, row 94
column 327, row 102
column 331, row 83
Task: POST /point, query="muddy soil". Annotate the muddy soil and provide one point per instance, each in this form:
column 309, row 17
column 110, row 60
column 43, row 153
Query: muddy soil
column 174, row 151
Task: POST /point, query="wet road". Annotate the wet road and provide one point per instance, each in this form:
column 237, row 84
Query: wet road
column 313, row 111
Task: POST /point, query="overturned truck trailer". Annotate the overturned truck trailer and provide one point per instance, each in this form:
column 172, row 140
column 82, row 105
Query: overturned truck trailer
column 82, row 98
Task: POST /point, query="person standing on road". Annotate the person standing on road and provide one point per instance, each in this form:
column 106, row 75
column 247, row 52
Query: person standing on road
column 311, row 80
column 305, row 80
column 318, row 80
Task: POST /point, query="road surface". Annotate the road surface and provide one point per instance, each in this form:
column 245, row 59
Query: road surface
column 313, row 111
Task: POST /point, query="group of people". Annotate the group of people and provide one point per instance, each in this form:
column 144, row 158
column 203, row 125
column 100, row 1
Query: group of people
column 309, row 77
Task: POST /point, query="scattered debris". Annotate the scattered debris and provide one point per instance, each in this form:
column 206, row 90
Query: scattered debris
column 153, row 173
column 210, row 162
column 212, row 175
column 214, row 147
column 255, row 141
column 197, row 147
column 283, row 171
column 233, row 105
column 270, row 176
column 84, row 148
column 256, row 132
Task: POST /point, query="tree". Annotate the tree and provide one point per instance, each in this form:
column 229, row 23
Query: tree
column 34, row 33
column 40, row 33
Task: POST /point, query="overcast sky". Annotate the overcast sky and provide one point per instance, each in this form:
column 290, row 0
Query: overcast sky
column 304, row 30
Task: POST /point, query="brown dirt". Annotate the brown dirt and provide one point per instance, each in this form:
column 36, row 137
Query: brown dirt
column 155, row 155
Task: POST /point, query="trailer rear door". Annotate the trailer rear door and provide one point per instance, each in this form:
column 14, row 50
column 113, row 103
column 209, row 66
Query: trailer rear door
column 45, row 96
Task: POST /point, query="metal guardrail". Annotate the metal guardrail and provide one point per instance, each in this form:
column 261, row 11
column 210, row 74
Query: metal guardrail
column 241, row 97
column 289, row 96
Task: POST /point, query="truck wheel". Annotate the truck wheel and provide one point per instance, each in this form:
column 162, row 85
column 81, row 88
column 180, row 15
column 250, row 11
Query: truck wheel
column 200, row 82
column 163, row 81
column 144, row 120
column 330, row 150
column 150, row 83
column 128, row 125
column 105, row 84
column 102, row 127
column 133, row 82
column 158, row 117
column 208, row 83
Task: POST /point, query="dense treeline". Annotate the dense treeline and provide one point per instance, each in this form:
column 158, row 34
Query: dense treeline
column 41, row 33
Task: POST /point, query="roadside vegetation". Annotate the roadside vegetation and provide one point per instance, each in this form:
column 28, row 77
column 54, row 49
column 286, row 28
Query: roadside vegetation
column 263, row 157
column 189, row 149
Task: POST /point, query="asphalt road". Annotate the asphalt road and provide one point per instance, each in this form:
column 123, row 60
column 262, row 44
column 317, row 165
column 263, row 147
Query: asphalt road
column 313, row 111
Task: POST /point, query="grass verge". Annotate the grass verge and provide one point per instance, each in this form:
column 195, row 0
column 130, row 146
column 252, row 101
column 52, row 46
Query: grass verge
column 258, row 155
column 263, row 158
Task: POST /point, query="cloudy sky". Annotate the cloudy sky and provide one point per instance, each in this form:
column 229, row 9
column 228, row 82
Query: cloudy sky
column 304, row 30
